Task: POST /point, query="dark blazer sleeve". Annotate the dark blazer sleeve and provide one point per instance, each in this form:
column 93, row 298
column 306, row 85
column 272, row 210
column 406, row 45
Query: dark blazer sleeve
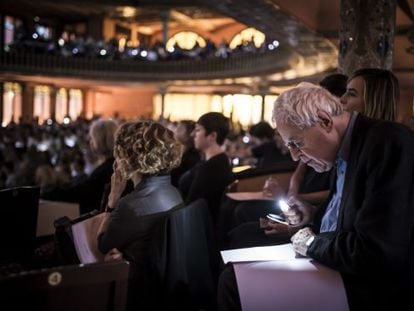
column 376, row 216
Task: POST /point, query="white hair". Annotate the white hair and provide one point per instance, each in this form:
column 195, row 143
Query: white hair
column 300, row 105
column 103, row 133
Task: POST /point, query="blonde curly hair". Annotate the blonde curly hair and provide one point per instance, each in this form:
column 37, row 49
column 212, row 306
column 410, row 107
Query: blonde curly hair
column 146, row 147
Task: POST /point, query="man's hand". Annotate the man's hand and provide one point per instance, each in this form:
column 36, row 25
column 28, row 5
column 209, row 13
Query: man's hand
column 301, row 240
column 299, row 213
column 274, row 228
column 113, row 254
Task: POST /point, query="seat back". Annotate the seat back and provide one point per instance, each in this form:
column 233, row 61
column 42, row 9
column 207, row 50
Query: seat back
column 19, row 209
column 193, row 257
column 256, row 183
column 174, row 265
column 253, row 179
column 94, row 287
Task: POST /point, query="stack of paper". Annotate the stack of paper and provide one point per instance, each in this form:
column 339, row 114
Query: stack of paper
column 272, row 278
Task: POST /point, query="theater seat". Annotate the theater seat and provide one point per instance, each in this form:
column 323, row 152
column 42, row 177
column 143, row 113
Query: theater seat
column 177, row 267
column 19, row 209
column 94, row 287
column 193, row 258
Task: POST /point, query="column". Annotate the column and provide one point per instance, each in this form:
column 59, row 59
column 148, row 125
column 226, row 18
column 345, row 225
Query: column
column 89, row 98
column 262, row 92
column 68, row 98
column 163, row 90
column 53, row 93
column 85, row 100
column 366, row 35
column 27, row 101
column 165, row 25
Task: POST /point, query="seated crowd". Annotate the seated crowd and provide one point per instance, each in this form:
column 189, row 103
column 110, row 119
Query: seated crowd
column 351, row 206
column 79, row 47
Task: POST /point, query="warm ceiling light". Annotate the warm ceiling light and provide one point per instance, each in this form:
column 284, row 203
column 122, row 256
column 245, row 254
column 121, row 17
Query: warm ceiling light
column 128, row 11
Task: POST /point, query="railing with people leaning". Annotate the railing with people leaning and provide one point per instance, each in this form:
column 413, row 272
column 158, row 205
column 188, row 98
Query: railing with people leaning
column 189, row 69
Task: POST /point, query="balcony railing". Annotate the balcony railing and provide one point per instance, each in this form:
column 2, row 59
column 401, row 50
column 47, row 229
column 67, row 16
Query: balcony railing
column 104, row 69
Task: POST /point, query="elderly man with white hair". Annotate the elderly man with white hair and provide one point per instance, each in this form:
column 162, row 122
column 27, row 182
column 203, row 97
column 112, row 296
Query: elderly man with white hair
column 365, row 231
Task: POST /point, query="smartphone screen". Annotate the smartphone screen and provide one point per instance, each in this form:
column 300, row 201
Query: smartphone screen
column 277, row 218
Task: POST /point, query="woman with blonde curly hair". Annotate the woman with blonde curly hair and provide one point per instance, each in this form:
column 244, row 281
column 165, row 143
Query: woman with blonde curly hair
column 145, row 152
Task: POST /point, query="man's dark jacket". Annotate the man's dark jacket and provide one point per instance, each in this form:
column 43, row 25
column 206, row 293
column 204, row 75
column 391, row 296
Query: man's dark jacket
column 373, row 246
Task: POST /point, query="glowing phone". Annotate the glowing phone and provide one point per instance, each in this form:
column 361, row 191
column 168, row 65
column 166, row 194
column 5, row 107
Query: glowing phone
column 283, row 206
column 277, row 218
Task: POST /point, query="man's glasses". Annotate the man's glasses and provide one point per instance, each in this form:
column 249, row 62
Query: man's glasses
column 294, row 144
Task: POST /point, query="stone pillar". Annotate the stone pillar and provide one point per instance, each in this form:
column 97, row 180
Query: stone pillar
column 366, row 35
column 84, row 103
column 53, row 93
column 89, row 98
column 165, row 25
column 163, row 91
column 68, row 98
column 263, row 90
column 27, row 101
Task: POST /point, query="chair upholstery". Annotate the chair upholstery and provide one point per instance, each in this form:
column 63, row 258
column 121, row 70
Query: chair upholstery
column 19, row 209
column 177, row 267
column 192, row 269
column 94, row 287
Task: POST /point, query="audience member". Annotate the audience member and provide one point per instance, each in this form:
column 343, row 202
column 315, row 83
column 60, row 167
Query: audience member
column 209, row 178
column 264, row 147
column 374, row 93
column 364, row 230
column 370, row 91
column 89, row 192
column 355, row 98
column 78, row 170
column 335, row 83
column 241, row 228
column 45, row 175
column 191, row 156
column 145, row 152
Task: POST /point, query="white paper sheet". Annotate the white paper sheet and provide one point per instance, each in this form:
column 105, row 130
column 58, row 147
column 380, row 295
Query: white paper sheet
column 277, row 252
column 49, row 211
column 294, row 285
column 85, row 239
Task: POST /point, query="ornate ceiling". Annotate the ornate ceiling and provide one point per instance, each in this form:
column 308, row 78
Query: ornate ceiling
column 308, row 27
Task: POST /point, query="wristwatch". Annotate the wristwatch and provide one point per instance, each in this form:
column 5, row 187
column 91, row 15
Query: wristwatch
column 309, row 241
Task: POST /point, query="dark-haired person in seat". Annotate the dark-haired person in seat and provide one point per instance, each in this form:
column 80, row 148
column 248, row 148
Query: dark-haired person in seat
column 191, row 156
column 209, row 178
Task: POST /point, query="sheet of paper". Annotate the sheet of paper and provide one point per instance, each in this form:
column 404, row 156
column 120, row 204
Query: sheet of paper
column 277, row 252
column 294, row 285
column 85, row 239
column 243, row 196
column 49, row 211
